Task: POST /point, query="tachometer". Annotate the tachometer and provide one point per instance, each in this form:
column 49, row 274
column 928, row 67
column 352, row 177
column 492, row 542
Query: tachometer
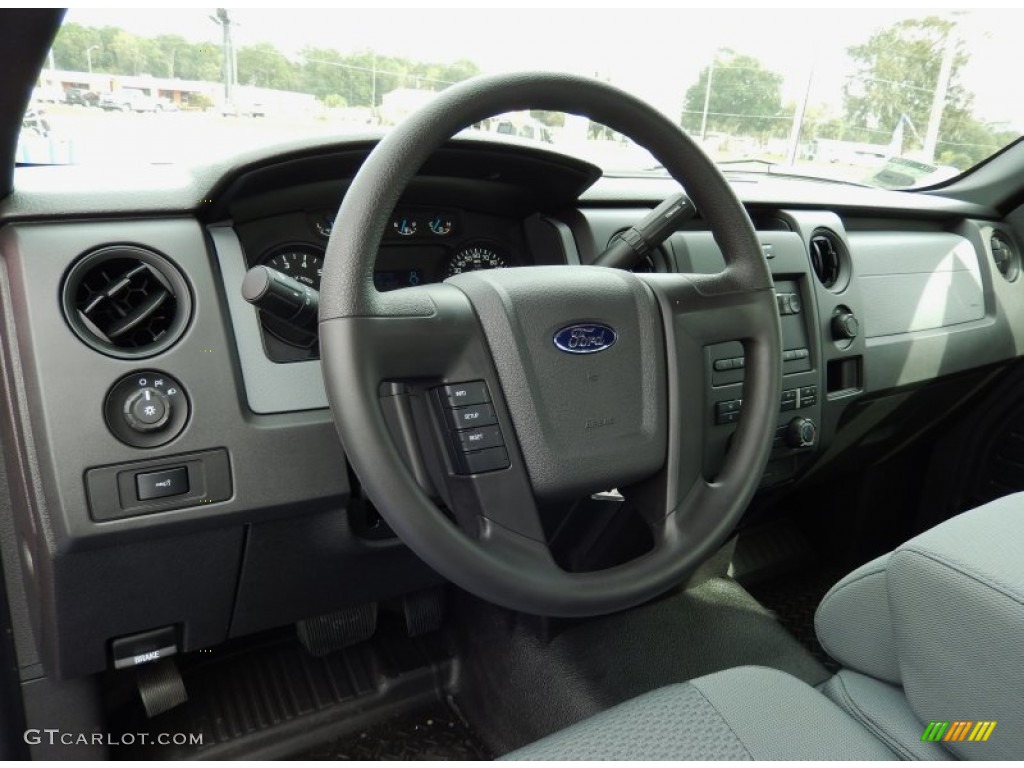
column 300, row 263
column 473, row 257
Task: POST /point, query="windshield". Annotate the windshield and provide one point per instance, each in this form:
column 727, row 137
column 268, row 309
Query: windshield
column 879, row 97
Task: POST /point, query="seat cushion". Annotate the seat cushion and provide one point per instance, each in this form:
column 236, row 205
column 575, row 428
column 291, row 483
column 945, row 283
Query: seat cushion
column 746, row 713
column 883, row 709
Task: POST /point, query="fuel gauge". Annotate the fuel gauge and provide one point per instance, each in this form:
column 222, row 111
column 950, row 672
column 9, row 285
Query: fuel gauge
column 440, row 225
column 404, row 226
column 322, row 222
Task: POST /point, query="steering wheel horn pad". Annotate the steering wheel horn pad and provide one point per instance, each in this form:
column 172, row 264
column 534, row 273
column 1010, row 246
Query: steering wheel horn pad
column 585, row 422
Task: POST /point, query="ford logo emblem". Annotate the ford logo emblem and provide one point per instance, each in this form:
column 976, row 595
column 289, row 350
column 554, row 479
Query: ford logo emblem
column 585, row 338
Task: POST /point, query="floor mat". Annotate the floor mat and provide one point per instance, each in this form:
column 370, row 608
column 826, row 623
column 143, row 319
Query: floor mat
column 432, row 733
column 267, row 698
column 793, row 599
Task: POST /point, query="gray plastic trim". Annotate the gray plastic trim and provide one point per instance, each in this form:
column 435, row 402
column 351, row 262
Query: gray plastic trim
column 269, row 387
column 916, row 282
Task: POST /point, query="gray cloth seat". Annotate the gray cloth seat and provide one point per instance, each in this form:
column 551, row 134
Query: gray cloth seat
column 930, row 632
column 745, row 713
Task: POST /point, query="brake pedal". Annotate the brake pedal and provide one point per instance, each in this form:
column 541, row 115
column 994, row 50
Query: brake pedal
column 160, row 686
column 331, row 632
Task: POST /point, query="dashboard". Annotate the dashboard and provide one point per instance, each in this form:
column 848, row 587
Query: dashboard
column 229, row 509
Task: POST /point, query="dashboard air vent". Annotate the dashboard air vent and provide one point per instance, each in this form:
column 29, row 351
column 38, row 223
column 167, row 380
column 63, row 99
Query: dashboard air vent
column 1005, row 255
column 826, row 258
column 126, row 301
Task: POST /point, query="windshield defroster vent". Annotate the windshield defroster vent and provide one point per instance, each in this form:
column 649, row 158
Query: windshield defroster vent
column 827, row 259
column 126, row 301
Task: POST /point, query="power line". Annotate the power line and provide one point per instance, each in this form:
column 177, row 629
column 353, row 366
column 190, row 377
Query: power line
column 371, row 70
column 737, row 114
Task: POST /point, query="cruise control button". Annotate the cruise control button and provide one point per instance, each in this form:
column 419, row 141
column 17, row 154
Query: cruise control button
column 808, row 396
column 479, row 439
column 727, row 406
column 467, row 393
column 485, row 461
column 472, row 416
column 730, row 417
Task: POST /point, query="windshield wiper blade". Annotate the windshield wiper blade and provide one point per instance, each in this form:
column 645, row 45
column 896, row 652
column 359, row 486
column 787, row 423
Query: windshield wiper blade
column 748, row 161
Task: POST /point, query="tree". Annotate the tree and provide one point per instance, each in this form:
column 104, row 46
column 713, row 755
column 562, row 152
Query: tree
column 357, row 79
column 550, row 119
column 69, row 49
column 199, row 61
column 745, row 99
column 127, row 52
column 323, row 72
column 265, row 66
column 898, row 71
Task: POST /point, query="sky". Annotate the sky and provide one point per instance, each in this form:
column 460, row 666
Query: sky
column 655, row 53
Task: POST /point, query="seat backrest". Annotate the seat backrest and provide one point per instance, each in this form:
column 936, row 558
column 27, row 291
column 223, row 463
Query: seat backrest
column 943, row 616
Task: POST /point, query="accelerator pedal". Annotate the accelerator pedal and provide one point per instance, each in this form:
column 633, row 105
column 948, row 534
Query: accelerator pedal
column 423, row 611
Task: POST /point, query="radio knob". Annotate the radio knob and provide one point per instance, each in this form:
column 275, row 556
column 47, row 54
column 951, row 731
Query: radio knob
column 801, row 433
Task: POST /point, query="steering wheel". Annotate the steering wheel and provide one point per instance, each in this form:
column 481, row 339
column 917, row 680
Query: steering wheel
column 629, row 413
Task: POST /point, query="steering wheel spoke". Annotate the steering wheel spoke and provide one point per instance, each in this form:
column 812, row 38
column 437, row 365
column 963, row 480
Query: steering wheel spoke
column 450, row 419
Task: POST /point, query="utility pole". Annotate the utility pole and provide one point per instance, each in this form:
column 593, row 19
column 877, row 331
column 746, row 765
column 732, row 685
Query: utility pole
column 230, row 62
column 88, row 56
column 931, row 136
column 793, row 147
column 373, row 84
column 707, row 100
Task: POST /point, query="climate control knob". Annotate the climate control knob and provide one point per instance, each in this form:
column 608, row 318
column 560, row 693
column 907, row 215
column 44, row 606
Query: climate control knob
column 801, row 433
column 845, row 326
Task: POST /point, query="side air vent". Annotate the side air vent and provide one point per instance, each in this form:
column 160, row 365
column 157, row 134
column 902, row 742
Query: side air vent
column 1005, row 255
column 828, row 259
column 126, row 301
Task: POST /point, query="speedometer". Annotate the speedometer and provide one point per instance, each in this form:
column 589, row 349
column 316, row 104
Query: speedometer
column 473, row 257
column 300, row 263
